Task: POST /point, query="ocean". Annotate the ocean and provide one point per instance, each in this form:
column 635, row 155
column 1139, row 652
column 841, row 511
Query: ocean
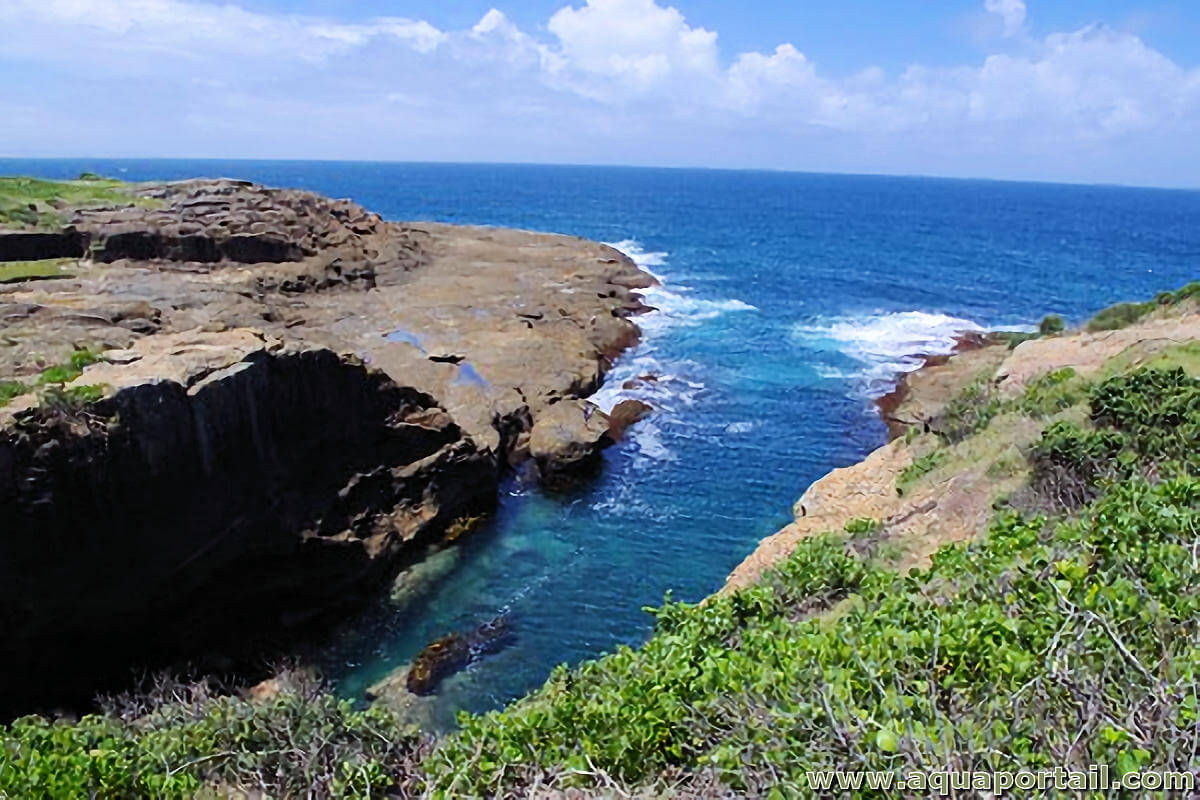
column 788, row 301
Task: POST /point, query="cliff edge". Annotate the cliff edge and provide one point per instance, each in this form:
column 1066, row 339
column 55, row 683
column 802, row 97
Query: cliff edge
column 225, row 409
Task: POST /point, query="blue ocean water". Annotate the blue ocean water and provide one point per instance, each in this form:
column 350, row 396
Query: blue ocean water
column 788, row 300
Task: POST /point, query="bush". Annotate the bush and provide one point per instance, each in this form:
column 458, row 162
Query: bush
column 1053, row 392
column 1068, row 463
column 1121, row 315
column 1051, row 324
column 972, row 410
column 1159, row 409
column 182, row 738
column 1124, row 314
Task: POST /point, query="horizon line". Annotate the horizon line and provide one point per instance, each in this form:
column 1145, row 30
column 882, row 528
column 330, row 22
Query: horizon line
column 589, row 165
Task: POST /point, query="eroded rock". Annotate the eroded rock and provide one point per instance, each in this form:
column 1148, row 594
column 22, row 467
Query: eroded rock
column 568, row 437
column 267, row 448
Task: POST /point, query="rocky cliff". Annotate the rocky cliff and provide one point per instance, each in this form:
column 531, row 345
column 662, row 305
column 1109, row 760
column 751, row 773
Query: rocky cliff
column 963, row 427
column 244, row 407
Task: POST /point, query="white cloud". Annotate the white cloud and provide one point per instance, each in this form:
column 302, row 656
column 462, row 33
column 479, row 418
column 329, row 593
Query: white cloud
column 184, row 28
column 1011, row 12
column 609, row 80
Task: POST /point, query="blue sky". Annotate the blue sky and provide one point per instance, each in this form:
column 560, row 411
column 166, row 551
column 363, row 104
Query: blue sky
column 1104, row 91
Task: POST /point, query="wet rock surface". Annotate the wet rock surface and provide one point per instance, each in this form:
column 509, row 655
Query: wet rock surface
column 296, row 393
column 449, row 654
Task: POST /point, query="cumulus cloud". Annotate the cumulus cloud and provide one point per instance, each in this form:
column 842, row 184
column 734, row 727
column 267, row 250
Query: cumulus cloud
column 605, row 80
column 1011, row 13
column 637, row 43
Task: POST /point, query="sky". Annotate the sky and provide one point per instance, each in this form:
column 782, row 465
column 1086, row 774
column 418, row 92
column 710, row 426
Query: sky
column 1096, row 91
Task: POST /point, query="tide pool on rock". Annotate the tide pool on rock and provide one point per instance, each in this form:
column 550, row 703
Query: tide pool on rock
column 780, row 301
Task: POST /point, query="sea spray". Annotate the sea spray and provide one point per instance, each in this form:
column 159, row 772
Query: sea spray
column 880, row 346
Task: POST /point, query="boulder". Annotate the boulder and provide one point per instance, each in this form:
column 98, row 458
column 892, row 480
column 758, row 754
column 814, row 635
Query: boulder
column 568, row 437
column 624, row 414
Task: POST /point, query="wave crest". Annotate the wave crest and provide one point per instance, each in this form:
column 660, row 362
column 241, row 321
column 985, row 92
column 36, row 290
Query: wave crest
column 885, row 345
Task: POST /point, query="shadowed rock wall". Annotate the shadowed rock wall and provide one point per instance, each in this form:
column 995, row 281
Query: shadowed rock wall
column 172, row 518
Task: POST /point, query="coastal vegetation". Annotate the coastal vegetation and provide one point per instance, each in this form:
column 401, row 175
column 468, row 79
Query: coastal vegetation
column 54, row 377
column 1122, row 315
column 1068, row 634
column 12, row 271
column 39, row 204
column 1068, row 637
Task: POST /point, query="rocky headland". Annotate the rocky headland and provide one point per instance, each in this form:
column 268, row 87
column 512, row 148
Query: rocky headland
column 961, row 428
column 234, row 409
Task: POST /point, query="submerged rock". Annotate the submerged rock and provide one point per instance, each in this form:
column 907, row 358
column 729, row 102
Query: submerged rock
column 451, row 653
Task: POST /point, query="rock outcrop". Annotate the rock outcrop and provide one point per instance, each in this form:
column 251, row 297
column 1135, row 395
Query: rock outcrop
column 296, row 396
column 567, row 438
column 950, row 497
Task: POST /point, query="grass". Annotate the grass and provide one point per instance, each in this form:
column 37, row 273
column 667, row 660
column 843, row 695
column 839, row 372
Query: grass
column 38, row 204
column 69, row 371
column 11, row 389
column 919, row 468
column 52, row 379
column 13, row 271
column 1186, row 356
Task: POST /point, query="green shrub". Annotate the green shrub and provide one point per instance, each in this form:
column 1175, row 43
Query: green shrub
column 65, row 373
column 919, row 468
column 862, row 525
column 1051, row 324
column 1159, row 410
column 1053, row 392
column 971, row 410
column 303, row 742
column 1014, row 338
column 1121, row 315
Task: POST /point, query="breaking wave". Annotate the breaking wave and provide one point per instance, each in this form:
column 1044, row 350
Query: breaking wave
column 881, row 347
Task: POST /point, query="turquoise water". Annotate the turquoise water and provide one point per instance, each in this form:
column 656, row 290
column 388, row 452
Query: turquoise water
column 788, row 301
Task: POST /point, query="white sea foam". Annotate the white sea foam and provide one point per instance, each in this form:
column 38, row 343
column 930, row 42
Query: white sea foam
column 675, row 304
column 884, row 345
column 667, row 386
column 633, row 249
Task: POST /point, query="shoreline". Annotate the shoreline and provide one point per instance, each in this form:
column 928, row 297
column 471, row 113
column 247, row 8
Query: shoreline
column 305, row 395
column 888, row 404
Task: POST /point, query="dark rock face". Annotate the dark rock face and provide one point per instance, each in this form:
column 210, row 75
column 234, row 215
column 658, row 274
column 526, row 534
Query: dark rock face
column 173, row 519
column 22, row 246
column 150, row 246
